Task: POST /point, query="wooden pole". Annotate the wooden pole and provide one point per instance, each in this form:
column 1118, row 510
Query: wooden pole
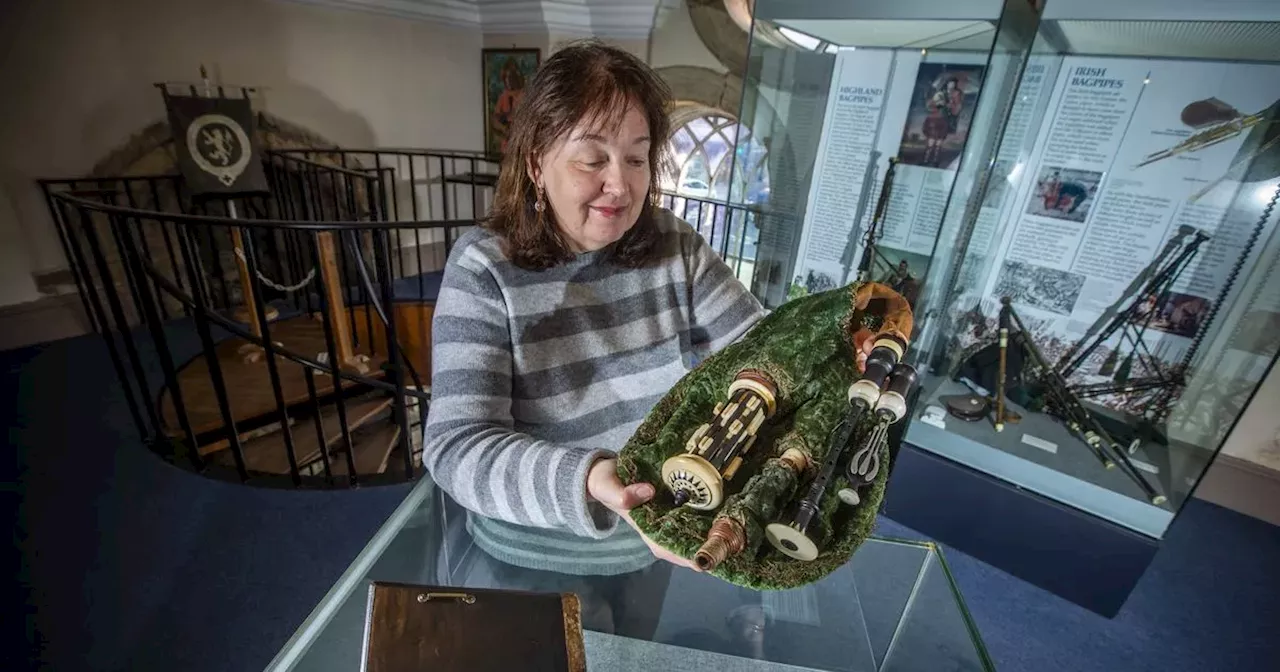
column 1005, row 322
column 337, row 306
column 249, row 311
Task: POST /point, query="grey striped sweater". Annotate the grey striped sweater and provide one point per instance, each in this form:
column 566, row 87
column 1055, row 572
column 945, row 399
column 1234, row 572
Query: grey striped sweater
column 536, row 374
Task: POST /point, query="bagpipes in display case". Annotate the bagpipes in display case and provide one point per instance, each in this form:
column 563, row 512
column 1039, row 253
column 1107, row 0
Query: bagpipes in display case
column 771, row 456
column 1088, row 293
column 1118, row 185
column 1012, row 355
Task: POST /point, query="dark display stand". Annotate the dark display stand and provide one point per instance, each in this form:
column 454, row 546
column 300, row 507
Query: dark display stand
column 1079, row 557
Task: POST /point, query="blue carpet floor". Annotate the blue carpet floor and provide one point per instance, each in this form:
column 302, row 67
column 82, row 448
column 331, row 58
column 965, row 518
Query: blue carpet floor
column 127, row 563
column 130, row 563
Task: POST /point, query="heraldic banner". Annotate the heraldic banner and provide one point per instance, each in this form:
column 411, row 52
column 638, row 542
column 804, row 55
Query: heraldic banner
column 217, row 149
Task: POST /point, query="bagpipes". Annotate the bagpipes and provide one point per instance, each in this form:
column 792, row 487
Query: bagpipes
column 822, row 453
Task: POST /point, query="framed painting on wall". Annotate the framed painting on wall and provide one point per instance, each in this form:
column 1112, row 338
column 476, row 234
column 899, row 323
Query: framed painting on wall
column 506, row 71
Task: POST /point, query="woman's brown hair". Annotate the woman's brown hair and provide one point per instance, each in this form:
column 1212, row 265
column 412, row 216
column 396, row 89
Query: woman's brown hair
column 584, row 81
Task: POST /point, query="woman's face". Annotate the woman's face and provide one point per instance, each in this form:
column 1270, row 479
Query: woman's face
column 596, row 180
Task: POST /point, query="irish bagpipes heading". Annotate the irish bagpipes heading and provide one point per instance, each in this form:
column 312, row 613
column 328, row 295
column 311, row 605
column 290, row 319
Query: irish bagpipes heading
column 218, row 151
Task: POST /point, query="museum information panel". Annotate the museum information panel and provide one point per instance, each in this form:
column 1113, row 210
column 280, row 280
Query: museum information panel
column 1107, row 189
column 886, row 103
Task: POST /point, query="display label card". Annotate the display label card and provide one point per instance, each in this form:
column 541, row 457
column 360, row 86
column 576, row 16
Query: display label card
column 1144, row 466
column 1037, row 442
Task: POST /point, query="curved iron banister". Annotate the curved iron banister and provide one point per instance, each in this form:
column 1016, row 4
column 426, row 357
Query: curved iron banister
column 330, row 212
column 126, row 223
column 293, row 225
column 73, row 198
column 362, row 174
column 460, row 154
column 236, row 330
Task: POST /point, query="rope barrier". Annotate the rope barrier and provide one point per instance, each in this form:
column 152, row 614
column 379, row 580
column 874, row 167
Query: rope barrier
column 311, row 275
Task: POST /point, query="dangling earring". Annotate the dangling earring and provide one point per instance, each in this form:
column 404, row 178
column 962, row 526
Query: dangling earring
column 539, row 205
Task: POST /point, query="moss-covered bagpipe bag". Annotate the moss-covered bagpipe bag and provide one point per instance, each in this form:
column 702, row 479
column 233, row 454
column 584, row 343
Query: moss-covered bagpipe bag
column 738, row 449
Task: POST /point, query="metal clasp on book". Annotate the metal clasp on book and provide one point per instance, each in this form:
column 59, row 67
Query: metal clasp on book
column 464, row 597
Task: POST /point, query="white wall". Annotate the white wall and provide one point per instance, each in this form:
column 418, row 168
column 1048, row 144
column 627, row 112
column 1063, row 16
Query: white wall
column 16, row 285
column 78, row 77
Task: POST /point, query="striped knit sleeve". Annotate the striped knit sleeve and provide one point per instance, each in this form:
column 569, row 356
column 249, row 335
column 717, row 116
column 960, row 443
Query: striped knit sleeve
column 469, row 446
column 723, row 310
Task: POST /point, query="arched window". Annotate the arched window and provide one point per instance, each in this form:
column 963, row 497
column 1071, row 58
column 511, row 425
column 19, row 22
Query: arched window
column 715, row 158
column 717, row 174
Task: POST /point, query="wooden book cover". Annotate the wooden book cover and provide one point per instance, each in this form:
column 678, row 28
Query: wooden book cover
column 411, row 627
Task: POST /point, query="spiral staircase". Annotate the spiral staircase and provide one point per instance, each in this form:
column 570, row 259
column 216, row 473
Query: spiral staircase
column 283, row 338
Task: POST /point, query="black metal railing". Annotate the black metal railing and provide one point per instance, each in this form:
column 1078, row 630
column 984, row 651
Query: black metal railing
column 160, row 276
column 419, row 184
column 348, row 245
column 146, row 192
column 307, row 185
column 455, row 185
column 731, row 229
column 181, row 370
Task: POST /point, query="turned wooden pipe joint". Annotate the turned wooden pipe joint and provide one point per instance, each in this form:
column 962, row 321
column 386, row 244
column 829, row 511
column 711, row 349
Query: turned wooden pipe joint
column 726, row 538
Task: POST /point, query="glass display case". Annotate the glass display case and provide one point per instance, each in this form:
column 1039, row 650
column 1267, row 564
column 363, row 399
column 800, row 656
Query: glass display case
column 894, row 607
column 1082, row 211
column 838, row 92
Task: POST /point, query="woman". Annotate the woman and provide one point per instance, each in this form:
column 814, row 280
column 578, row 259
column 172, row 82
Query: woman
column 561, row 322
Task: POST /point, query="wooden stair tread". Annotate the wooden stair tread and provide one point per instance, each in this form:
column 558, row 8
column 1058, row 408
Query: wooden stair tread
column 248, row 384
column 267, row 454
column 372, row 451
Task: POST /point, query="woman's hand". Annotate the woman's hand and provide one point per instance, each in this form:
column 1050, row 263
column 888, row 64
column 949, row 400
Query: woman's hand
column 864, row 343
column 603, row 486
